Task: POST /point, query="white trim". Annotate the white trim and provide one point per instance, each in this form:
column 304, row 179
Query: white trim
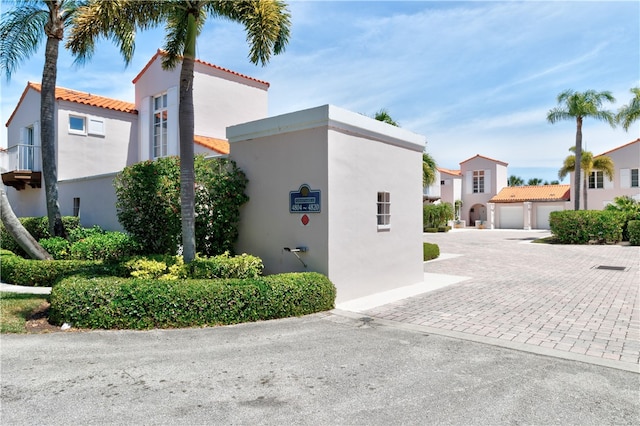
column 82, row 132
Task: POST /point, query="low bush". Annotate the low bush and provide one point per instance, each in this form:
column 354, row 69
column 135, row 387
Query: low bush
column 631, row 210
column 430, row 251
column 633, row 227
column 587, row 226
column 46, row 273
column 108, row 246
column 430, row 230
column 117, row 303
column 225, row 266
column 38, row 227
column 444, row 228
column 57, row 247
column 436, row 215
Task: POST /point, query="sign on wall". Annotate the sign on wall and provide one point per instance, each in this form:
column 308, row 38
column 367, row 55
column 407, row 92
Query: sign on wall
column 304, row 200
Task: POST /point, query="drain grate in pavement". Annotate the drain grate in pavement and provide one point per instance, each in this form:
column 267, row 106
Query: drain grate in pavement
column 612, row 268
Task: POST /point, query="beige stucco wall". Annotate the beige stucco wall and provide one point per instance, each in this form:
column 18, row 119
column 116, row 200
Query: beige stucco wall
column 496, row 180
column 349, row 158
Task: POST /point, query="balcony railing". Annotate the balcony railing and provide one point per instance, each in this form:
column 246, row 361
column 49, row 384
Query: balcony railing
column 24, row 166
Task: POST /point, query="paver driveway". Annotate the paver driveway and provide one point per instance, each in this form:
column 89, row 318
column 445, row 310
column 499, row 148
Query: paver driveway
column 538, row 295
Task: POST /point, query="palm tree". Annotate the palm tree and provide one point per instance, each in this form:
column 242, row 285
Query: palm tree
column 15, row 228
column 267, row 26
column 588, row 164
column 515, row 181
column 578, row 106
column 535, row 182
column 429, row 169
column 630, row 113
column 383, row 115
column 21, row 32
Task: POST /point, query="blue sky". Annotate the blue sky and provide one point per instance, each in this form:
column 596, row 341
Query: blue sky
column 473, row 77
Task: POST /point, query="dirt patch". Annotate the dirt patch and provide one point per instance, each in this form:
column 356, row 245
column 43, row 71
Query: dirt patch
column 38, row 322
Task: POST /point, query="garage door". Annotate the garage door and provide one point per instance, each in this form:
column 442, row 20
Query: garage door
column 542, row 215
column 511, row 217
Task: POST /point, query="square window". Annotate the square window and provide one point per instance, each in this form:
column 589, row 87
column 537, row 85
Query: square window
column 77, row 125
column 596, row 180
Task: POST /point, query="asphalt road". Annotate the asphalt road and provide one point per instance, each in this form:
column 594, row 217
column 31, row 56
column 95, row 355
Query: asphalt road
column 323, row 369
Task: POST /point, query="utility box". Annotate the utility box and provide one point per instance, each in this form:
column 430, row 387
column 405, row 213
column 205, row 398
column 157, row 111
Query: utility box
column 335, row 192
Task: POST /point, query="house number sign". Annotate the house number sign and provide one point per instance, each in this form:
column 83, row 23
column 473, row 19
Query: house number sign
column 304, row 200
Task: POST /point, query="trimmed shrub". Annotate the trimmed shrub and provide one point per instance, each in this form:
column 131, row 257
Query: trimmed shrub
column 444, row 228
column 224, row 266
column 110, row 246
column 586, row 226
column 38, row 227
column 631, row 210
column 634, row 232
column 148, row 204
column 430, row 251
column 57, row 247
column 46, row 273
column 117, row 303
column 430, row 230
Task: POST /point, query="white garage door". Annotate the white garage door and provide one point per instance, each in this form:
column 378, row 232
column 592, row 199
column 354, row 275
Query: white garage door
column 511, row 217
column 542, row 215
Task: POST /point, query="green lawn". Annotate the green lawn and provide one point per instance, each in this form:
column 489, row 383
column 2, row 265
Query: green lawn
column 16, row 308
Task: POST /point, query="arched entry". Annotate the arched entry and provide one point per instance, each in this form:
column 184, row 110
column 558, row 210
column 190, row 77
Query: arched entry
column 477, row 212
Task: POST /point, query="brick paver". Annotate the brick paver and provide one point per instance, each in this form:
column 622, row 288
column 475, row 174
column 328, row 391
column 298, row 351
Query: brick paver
column 551, row 296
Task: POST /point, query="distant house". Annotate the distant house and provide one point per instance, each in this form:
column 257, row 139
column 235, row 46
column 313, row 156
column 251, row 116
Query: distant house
column 601, row 190
column 96, row 137
column 527, row 207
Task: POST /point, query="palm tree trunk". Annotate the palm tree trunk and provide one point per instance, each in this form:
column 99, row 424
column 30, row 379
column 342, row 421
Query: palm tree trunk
column 48, row 139
column 18, row 232
column 584, row 190
column 187, row 174
column 577, row 180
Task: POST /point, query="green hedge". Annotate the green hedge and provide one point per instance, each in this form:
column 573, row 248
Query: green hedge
column 117, row 303
column 45, row 273
column 38, row 227
column 587, row 226
column 633, row 227
column 430, row 251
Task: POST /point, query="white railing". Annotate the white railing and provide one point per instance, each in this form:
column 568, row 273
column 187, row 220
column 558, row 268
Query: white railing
column 24, row 157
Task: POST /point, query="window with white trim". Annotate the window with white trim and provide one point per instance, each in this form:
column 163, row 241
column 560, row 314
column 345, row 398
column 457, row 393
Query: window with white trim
column 384, row 210
column 77, row 124
column 596, row 179
column 160, row 115
column 478, row 181
column 635, row 183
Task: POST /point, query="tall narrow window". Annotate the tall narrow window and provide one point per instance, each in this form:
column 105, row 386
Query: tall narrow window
column 76, row 206
column 596, row 180
column 384, row 210
column 634, row 178
column 25, row 152
column 160, row 126
column 478, row 181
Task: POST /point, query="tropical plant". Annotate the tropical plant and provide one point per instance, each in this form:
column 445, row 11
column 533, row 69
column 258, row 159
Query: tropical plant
column 631, row 210
column 589, row 164
column 383, row 115
column 535, row 182
column 578, row 106
column 267, row 26
column 429, row 170
column 515, row 181
column 22, row 29
column 18, row 232
column 631, row 112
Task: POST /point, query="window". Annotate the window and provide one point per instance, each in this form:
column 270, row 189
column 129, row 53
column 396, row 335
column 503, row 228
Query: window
column 478, row 181
column 634, row 178
column 442, row 182
column 76, row 206
column 77, row 125
column 25, row 152
column 384, row 210
column 160, row 126
column 596, row 180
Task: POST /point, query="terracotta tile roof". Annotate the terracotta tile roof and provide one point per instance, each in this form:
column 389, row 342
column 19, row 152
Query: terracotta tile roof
column 218, row 145
column 161, row 52
column 620, row 147
column 486, row 158
column 84, row 98
column 518, row 194
column 449, row 171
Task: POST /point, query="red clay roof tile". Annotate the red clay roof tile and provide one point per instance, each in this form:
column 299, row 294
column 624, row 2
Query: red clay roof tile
column 518, row 194
column 218, row 145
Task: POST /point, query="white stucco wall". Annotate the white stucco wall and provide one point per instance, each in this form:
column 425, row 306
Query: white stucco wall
column 495, row 179
column 349, row 158
column 97, row 200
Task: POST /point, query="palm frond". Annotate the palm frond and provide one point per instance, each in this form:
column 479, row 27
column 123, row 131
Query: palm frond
column 21, row 32
column 631, row 112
